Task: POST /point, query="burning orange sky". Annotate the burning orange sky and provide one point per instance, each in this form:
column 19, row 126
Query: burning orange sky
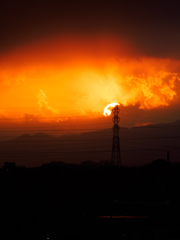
column 78, row 76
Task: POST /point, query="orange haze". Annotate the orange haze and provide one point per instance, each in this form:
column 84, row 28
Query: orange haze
column 78, row 76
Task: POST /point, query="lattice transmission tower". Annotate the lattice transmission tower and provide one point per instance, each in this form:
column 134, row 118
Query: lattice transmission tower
column 116, row 154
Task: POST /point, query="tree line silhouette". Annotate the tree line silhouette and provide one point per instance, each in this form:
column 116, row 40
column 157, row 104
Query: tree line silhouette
column 67, row 201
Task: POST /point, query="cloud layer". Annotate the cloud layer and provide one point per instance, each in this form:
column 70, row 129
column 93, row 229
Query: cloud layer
column 81, row 76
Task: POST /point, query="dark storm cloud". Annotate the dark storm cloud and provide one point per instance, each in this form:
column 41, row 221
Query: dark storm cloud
column 152, row 27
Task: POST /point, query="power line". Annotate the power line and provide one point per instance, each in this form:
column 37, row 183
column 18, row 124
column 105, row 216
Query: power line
column 56, row 141
column 56, row 117
column 95, row 139
column 127, row 114
column 89, row 129
column 63, row 130
column 70, row 125
column 73, row 152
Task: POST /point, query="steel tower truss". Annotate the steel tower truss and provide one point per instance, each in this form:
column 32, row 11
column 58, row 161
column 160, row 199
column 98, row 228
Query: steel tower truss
column 116, row 155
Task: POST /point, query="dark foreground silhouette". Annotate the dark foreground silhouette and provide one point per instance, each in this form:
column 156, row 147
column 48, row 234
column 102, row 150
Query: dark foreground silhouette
column 90, row 201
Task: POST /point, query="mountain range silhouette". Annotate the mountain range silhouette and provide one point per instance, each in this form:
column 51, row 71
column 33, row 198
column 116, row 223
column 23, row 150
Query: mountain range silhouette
column 139, row 145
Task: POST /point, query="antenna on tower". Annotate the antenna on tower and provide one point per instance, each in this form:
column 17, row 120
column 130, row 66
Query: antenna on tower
column 116, row 155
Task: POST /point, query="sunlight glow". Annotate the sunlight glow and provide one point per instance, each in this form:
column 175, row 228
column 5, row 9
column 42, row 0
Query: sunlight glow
column 77, row 77
column 108, row 108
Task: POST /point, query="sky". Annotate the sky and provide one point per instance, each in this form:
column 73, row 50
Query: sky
column 62, row 62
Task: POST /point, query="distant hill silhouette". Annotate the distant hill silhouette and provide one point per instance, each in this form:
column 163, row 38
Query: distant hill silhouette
column 139, row 146
column 36, row 137
column 175, row 124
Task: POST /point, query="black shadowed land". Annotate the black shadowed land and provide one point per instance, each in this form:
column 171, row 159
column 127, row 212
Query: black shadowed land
column 90, row 201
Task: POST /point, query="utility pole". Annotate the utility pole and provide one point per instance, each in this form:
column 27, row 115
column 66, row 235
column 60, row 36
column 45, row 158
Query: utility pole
column 116, row 155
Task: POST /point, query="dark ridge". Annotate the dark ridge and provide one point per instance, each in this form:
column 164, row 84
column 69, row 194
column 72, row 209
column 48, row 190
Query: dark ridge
column 36, row 137
column 171, row 124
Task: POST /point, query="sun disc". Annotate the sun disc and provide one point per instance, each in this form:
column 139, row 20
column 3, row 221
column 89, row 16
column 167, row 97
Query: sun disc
column 108, row 109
